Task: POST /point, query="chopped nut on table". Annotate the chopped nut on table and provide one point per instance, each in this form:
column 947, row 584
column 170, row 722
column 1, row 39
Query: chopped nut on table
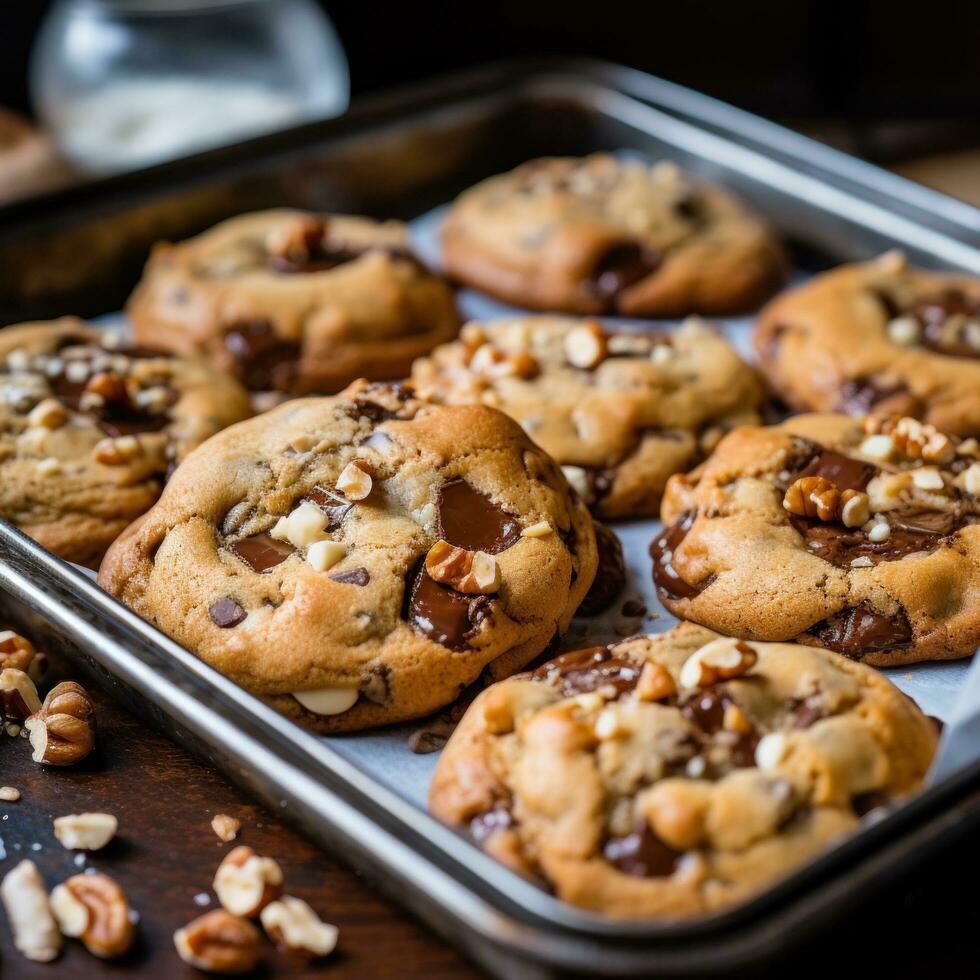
column 245, row 882
column 225, row 827
column 62, row 732
column 16, row 651
column 25, row 898
column 9, row 794
column 220, row 942
column 85, row 831
column 18, row 695
column 295, row 928
column 93, row 908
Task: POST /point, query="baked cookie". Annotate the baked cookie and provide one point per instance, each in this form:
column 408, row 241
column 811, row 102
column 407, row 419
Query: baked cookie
column 675, row 775
column 360, row 559
column 295, row 302
column 602, row 235
column 90, row 430
column 878, row 337
column 863, row 538
column 620, row 411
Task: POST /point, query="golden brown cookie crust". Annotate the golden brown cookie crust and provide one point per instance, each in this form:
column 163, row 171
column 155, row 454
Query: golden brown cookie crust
column 619, row 411
column 738, row 558
column 296, row 628
column 69, row 476
column 639, row 786
column 600, row 235
column 365, row 307
column 857, row 339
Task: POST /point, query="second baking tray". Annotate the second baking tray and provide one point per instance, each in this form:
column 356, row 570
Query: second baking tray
column 363, row 795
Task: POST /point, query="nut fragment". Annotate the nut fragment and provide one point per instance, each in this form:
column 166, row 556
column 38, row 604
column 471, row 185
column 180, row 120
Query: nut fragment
column 720, row 660
column 473, row 572
column 585, row 345
column 9, row 794
column 855, row 508
column 540, row 530
column 813, row 496
column 93, row 908
column 491, row 362
column 295, row 928
column 15, row 651
column 25, row 898
column 911, row 438
column 48, row 414
column 245, row 882
column 219, row 943
column 354, row 481
column 62, row 732
column 18, row 695
column 971, row 483
column 225, row 827
column 85, row 831
column 655, row 683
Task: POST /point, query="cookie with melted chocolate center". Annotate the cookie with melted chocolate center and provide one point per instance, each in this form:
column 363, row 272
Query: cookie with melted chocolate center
column 890, row 581
column 317, row 593
column 603, row 235
column 632, row 782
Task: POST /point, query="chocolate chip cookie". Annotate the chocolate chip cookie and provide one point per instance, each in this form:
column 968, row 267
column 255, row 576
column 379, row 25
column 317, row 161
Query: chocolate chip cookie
column 859, row 537
column 91, row 427
column 620, row 411
column 295, row 302
column 360, row 559
column 878, row 337
column 675, row 775
column 603, row 235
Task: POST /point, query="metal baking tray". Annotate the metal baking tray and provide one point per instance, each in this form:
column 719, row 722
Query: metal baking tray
column 363, row 795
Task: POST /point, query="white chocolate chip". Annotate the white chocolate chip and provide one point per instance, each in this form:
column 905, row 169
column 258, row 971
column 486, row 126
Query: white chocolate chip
column 323, row 555
column 928, row 478
column 661, row 354
column 771, row 750
column 305, row 525
column 862, row 561
column 540, row 530
column 880, row 531
column 878, row 447
column 327, row 700
column 579, row 480
column 353, row 482
column 904, row 330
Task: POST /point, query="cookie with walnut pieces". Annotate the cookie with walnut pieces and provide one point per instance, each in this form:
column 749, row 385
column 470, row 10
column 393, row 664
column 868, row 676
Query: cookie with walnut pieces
column 861, row 537
column 675, row 775
column 91, row 428
column 603, row 235
column 295, row 302
column 360, row 559
column 878, row 337
column 620, row 411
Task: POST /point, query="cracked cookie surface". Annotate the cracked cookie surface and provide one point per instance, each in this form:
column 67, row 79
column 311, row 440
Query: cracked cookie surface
column 359, row 560
column 878, row 336
column 91, row 428
column 619, row 411
column 863, row 537
column 675, row 775
column 602, row 235
column 295, row 302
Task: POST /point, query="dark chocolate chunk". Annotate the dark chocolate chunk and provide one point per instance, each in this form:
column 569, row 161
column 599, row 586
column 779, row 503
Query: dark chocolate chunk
column 262, row 551
column 843, row 471
column 333, row 503
column 356, row 576
column 840, row 546
column 446, row 616
column 262, row 360
column 706, row 709
column 857, row 631
column 582, row 671
column 467, row 519
column 619, row 267
column 858, row 396
column 610, row 576
column 226, row 612
column 666, row 578
column 933, row 313
column 641, row 853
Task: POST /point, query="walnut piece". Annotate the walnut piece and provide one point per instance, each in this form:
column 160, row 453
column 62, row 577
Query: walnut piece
column 85, row 831
column 25, row 898
column 18, row 695
column 93, row 908
column 16, row 651
column 9, row 794
column 245, row 882
column 226, row 827
column 655, row 683
column 491, row 362
column 62, row 732
column 912, row 438
column 295, row 928
column 219, row 943
column 816, row 496
column 472, row 572
column 354, row 481
column 720, row 660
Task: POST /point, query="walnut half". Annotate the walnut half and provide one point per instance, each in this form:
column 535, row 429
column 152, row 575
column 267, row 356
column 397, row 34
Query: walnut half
column 62, row 732
column 220, row 942
column 93, row 908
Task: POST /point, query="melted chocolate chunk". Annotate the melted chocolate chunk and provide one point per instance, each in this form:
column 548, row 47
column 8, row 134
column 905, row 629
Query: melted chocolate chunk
column 666, row 578
column 857, row 631
column 334, row 504
column 843, row 471
column 840, row 546
column 467, row 519
column 706, row 709
column 262, row 551
column 858, row 396
column 446, row 616
column 129, row 421
column 610, row 576
column 582, row 671
column 619, row 267
column 487, row 824
column 226, row 612
column 641, row 853
column 356, row 576
column 262, row 360
column 372, row 411
column 806, row 713
column 932, row 313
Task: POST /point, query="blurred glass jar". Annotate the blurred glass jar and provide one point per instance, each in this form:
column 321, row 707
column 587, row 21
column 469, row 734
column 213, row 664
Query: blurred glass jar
column 122, row 84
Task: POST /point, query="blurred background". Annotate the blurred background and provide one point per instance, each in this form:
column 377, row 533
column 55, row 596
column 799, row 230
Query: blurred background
column 119, row 83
